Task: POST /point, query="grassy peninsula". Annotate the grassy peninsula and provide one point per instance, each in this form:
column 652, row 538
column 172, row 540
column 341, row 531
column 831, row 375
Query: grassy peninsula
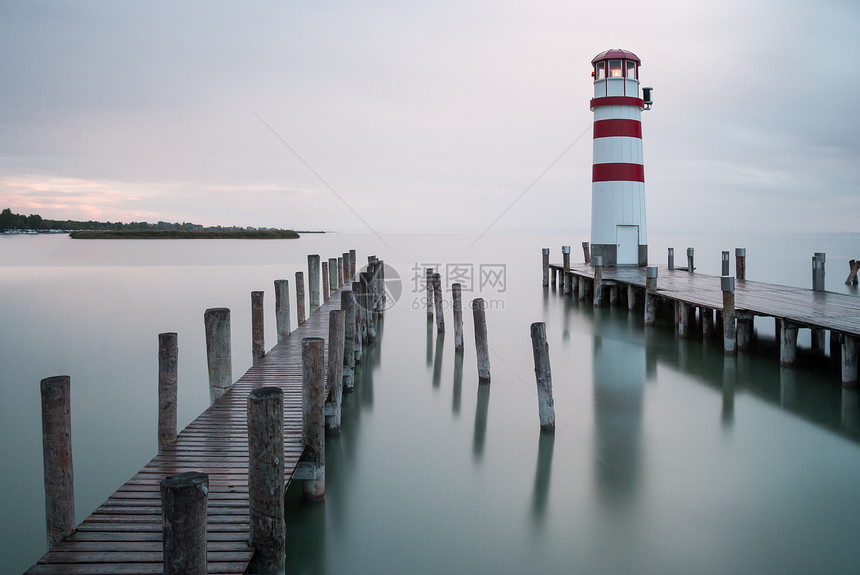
column 222, row 234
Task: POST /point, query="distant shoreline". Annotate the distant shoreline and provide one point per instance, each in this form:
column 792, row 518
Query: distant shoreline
column 185, row 234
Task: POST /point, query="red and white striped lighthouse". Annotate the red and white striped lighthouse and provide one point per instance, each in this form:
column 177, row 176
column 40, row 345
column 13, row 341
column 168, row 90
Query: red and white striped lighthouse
column 618, row 231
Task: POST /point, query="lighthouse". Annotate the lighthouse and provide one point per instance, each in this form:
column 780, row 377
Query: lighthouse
column 618, row 230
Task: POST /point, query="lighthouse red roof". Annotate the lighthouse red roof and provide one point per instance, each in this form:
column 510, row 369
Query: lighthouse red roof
column 616, row 53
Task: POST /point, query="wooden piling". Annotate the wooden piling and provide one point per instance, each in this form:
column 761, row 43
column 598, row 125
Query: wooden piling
column 849, row 361
column 690, row 264
column 787, row 343
column 218, row 351
column 457, row 298
column 366, row 303
column 744, row 328
column 347, row 304
column 725, row 264
column 598, row 281
column 313, row 416
column 352, row 263
column 314, row 282
column 340, row 274
column 671, row 263
column 300, row 297
column 741, row 263
column 347, row 278
column 258, row 342
column 168, row 356
column 565, row 276
column 583, row 289
column 853, row 268
column 613, row 295
column 818, row 272
column 543, row 375
column 586, row 254
column 631, row 297
column 437, row 297
column 545, row 265
column 333, row 275
column 481, row 345
column 184, row 498
column 266, row 487
column 334, row 373
column 326, row 291
column 683, row 320
column 282, row 309
column 356, row 293
column 650, row 295
column 730, row 342
column 428, row 285
column 57, row 458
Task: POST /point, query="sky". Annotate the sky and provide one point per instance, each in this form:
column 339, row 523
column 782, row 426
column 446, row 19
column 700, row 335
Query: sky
column 423, row 116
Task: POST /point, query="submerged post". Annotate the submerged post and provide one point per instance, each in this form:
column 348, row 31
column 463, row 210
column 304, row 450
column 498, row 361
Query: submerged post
column 543, row 375
column 334, row 373
column 168, row 356
column 218, row 351
column 366, row 304
column 184, row 498
column 631, row 297
column 725, row 262
column 457, row 297
column 282, row 308
column 598, row 281
column 313, row 415
column 428, row 284
column 741, row 263
column 730, row 342
column 326, row 291
column 586, row 254
column 347, row 304
column 437, row 297
column 265, row 413
column 818, row 271
column 258, row 343
column 57, row 458
column 481, row 345
column 683, row 320
column 650, row 295
column 787, row 343
column 545, row 265
column 314, row 282
column 300, row 297
column 356, row 294
column 849, row 360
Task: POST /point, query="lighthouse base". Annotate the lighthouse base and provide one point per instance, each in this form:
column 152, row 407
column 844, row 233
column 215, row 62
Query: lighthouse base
column 609, row 252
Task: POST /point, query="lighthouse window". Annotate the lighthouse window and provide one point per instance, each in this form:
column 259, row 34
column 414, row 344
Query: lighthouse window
column 601, row 70
column 631, row 69
column 615, row 68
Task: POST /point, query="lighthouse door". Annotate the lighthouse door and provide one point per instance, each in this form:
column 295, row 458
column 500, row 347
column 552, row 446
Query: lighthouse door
column 628, row 245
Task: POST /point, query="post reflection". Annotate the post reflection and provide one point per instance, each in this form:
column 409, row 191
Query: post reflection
column 730, row 378
column 437, row 361
column 540, row 494
column 305, row 531
column 850, row 410
column 429, row 342
column 787, row 387
column 458, row 382
column 481, row 421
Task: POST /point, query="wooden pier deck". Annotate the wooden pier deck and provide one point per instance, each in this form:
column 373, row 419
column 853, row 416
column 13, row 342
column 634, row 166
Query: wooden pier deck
column 124, row 534
column 804, row 307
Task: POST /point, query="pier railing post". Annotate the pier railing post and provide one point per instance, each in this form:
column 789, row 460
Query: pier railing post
column 481, row 345
column 586, row 253
column 334, row 373
column 282, row 308
column 818, row 271
column 545, row 265
column 741, row 263
column 650, row 295
column 690, row 264
column 347, row 279
column 258, row 337
column 725, row 266
column 314, row 282
column 57, row 458
column 671, row 263
column 218, row 351
column 325, row 290
column 340, row 272
column 437, row 297
column 347, row 304
column 300, row 297
column 730, row 342
column 265, row 414
column 543, row 375
column 333, row 283
column 598, row 281
column 352, row 263
column 565, row 274
column 313, row 415
column 849, row 360
column 168, row 356
column 184, row 498
column 457, row 299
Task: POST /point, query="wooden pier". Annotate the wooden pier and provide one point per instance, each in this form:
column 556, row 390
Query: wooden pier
column 124, row 534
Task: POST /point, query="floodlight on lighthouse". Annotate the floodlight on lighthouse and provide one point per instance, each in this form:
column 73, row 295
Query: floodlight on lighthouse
column 646, row 97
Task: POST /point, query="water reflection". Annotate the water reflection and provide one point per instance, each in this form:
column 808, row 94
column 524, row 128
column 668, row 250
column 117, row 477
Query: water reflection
column 458, row 382
column 851, row 410
column 437, row 361
column 730, row 377
column 787, row 387
column 306, row 548
column 481, row 421
column 540, row 494
column 429, row 342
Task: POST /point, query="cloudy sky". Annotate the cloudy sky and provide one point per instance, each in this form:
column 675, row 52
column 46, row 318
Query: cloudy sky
column 401, row 115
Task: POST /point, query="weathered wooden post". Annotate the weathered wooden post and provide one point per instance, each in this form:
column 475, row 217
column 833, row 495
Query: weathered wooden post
column 598, row 281
column 730, row 341
column 347, row 279
column 706, row 314
column 340, row 274
column 282, row 308
column 300, row 297
column 554, row 281
column 545, row 265
column 650, row 295
column 744, row 327
column 481, row 345
column 583, row 289
column 631, row 297
column 258, row 341
column 334, row 373
column 184, row 498
column 853, row 268
column 366, row 303
column 333, row 275
column 818, row 271
column 356, row 294
column 543, row 375
column 382, row 296
column 613, row 295
column 690, row 266
column 313, row 415
column 457, row 297
column 725, row 262
column 787, row 343
column 352, row 263
column 265, row 413
column 437, row 297
column 428, row 288
column 347, row 304
column 849, row 360
column 168, row 359
column 218, row 351
column 741, row 263
column 57, row 458
column 586, row 254
column 671, row 263
column 565, row 275
column 314, row 282
column 683, row 320
column 325, row 277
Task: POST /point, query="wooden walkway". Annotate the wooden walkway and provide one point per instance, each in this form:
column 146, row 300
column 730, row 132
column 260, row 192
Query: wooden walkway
column 807, row 308
column 124, row 534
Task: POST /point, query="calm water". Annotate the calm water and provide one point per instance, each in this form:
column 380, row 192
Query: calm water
column 668, row 458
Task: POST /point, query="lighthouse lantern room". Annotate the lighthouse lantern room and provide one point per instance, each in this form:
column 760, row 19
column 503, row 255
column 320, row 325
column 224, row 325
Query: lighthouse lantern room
column 618, row 230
